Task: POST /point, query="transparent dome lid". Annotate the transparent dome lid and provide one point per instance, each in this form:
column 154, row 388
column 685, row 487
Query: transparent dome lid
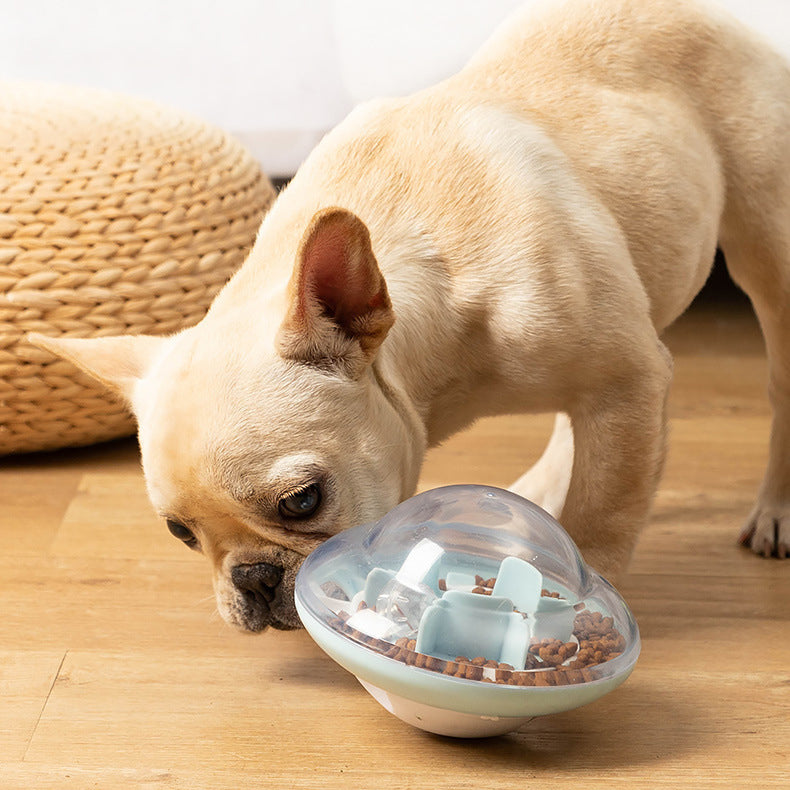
column 473, row 599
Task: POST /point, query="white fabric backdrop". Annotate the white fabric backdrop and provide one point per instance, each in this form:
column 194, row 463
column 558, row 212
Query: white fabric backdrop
column 276, row 73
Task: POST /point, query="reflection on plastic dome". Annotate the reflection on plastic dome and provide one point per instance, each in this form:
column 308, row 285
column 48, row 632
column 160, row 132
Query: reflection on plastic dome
column 460, row 597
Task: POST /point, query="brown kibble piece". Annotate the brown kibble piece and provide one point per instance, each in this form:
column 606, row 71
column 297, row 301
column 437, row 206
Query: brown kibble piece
column 504, row 672
column 474, row 672
column 435, row 664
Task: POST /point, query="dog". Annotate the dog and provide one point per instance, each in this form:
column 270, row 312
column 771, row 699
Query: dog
column 514, row 239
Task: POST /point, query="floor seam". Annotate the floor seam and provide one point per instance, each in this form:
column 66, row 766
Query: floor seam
column 44, row 706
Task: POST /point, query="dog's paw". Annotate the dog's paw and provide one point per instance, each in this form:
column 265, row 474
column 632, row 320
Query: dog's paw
column 767, row 531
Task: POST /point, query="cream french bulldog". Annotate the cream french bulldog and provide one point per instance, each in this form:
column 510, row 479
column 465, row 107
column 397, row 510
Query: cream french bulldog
column 514, row 239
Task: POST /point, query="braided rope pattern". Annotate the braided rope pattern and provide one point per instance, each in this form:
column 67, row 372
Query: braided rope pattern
column 117, row 216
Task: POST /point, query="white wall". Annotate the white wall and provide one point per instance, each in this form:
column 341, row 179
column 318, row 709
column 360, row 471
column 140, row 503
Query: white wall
column 277, row 73
column 252, row 67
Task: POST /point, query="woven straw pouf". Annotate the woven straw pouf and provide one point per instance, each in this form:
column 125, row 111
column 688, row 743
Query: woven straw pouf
column 117, row 216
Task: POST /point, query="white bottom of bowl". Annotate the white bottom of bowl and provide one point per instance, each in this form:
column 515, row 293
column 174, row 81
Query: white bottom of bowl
column 442, row 721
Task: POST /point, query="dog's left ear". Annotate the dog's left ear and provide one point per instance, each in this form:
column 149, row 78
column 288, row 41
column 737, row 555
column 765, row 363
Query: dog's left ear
column 339, row 308
column 117, row 362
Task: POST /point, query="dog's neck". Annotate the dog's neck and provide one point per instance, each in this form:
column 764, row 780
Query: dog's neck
column 423, row 366
column 426, row 354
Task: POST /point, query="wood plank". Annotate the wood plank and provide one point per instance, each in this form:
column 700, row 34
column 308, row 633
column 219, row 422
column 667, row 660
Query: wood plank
column 290, row 712
column 110, row 516
column 116, row 671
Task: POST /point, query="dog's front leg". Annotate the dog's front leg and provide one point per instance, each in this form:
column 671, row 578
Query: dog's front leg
column 619, row 430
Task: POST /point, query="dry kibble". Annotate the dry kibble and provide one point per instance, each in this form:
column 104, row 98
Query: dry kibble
column 474, row 672
column 504, row 672
column 549, row 662
column 435, row 664
column 532, row 662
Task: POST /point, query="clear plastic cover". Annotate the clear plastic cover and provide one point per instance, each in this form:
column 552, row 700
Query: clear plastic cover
column 475, row 584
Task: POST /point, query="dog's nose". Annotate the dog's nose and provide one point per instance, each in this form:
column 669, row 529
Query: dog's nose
column 257, row 581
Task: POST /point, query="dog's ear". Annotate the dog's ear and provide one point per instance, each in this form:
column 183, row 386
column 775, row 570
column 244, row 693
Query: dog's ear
column 117, row 362
column 339, row 308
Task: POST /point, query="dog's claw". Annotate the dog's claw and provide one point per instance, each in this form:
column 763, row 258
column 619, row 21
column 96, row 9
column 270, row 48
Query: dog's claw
column 766, row 532
column 746, row 536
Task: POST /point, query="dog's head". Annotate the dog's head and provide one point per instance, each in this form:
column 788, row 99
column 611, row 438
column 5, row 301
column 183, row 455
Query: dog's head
column 268, row 427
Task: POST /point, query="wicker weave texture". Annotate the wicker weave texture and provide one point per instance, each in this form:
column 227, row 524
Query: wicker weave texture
column 117, row 216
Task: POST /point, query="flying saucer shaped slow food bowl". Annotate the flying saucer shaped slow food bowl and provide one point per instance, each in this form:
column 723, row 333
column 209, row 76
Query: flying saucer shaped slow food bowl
column 466, row 611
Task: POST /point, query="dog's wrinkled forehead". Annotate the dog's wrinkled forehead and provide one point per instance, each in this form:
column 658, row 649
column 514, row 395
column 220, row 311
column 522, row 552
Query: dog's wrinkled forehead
column 206, row 418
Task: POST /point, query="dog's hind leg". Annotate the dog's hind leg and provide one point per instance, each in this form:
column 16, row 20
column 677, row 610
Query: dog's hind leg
column 759, row 261
column 753, row 138
column 546, row 483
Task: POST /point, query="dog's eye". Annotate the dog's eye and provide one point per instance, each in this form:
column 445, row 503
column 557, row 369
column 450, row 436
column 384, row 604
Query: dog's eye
column 302, row 503
column 183, row 533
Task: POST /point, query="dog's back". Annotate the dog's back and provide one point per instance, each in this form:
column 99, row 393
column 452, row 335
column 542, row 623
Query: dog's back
column 673, row 111
column 671, row 114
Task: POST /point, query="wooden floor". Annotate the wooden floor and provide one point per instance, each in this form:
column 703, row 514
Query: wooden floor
column 116, row 672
